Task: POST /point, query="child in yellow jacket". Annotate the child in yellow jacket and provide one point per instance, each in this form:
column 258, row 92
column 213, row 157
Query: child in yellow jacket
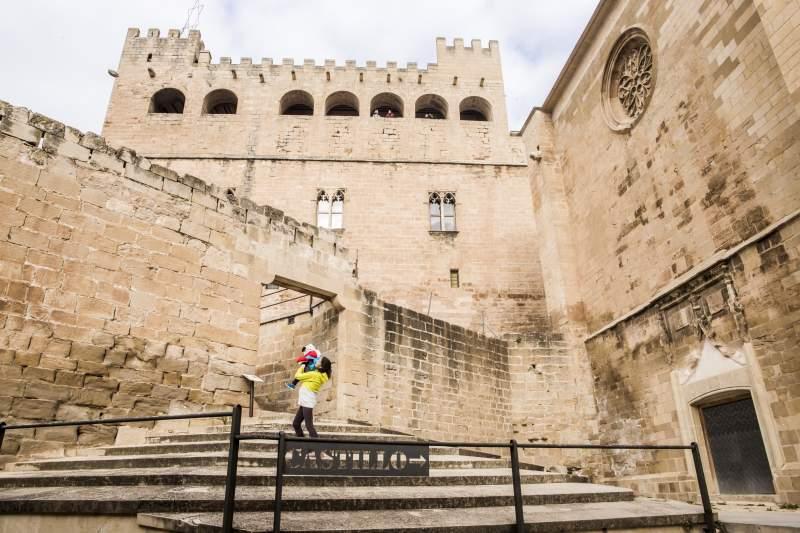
column 310, row 384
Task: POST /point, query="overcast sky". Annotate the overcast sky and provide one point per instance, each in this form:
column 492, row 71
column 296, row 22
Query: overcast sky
column 56, row 53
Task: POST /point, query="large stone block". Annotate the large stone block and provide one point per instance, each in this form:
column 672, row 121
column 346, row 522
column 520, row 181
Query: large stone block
column 97, row 435
column 48, row 391
column 87, row 352
column 135, row 388
column 212, row 382
column 92, row 398
column 59, row 434
column 171, row 393
column 33, row 409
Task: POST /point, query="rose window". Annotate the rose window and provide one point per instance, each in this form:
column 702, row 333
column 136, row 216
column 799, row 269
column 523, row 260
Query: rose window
column 628, row 80
column 634, row 83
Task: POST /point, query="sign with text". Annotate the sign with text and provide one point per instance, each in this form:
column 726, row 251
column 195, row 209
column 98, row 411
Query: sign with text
column 342, row 459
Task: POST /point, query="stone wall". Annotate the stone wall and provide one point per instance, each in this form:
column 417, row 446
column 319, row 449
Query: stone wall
column 552, row 399
column 280, row 344
column 421, row 375
column 386, row 224
column 386, row 166
column 126, row 289
column 634, row 222
column 646, row 367
column 711, row 161
column 131, row 290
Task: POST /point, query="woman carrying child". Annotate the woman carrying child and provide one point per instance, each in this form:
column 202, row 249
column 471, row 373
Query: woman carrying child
column 311, row 382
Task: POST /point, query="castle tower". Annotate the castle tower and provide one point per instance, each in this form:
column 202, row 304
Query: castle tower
column 415, row 166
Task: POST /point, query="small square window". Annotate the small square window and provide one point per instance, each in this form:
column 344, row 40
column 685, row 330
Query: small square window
column 454, row 281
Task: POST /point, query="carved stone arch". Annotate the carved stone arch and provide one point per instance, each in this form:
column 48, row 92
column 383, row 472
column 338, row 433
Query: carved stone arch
column 220, row 102
column 475, row 108
column 297, row 102
column 167, row 100
column 341, row 104
column 430, row 106
column 387, row 105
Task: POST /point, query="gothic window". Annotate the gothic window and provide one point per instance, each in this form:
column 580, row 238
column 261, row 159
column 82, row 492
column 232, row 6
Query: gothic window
column 330, row 209
column 442, row 210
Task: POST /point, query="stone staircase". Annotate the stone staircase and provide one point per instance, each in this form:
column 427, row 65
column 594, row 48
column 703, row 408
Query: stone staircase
column 174, row 480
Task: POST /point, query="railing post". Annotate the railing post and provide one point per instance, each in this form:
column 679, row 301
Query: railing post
column 252, row 396
column 517, row 482
column 708, row 512
column 2, row 434
column 279, row 466
column 233, row 462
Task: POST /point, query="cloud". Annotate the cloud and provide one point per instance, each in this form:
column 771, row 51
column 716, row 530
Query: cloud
column 57, row 52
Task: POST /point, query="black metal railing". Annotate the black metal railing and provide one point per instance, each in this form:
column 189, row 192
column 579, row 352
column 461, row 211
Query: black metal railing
column 236, row 411
column 236, row 437
column 513, row 446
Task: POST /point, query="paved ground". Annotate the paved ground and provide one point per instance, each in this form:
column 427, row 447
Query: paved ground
column 759, row 515
column 541, row 518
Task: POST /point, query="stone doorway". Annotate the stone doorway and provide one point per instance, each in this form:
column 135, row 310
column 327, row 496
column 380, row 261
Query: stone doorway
column 293, row 315
column 734, row 441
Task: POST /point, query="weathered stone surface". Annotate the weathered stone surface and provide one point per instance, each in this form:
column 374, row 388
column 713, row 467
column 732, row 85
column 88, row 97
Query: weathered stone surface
column 87, row 352
column 33, row 409
column 596, row 257
column 92, row 398
column 48, row 391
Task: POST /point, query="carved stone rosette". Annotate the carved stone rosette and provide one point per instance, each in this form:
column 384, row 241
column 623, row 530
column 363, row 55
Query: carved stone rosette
column 628, row 80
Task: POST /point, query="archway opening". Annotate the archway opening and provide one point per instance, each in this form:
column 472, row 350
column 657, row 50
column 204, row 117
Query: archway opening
column 297, row 103
column 386, row 105
column 220, row 102
column 167, row 101
column 430, row 106
column 341, row 104
column 475, row 108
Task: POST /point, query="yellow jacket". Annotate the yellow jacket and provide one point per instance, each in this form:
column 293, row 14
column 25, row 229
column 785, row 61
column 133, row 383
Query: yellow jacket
column 313, row 380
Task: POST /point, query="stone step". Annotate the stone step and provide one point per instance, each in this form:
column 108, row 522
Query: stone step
column 220, row 458
column 250, row 446
column 225, row 436
column 133, row 500
column 215, row 476
column 273, row 426
column 640, row 513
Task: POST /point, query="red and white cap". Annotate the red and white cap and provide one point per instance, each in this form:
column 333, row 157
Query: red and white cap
column 309, row 351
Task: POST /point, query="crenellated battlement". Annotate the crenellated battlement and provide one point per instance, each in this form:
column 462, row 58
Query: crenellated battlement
column 172, row 95
column 455, row 54
column 155, row 33
column 458, row 46
column 310, row 65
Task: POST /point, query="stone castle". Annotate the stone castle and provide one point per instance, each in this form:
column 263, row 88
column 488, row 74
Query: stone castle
column 622, row 269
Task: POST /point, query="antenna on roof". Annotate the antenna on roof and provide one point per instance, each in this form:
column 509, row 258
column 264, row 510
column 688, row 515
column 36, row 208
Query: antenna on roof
column 192, row 17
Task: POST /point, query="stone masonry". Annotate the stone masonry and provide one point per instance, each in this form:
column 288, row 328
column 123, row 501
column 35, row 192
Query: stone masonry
column 678, row 229
column 624, row 264
column 285, row 159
